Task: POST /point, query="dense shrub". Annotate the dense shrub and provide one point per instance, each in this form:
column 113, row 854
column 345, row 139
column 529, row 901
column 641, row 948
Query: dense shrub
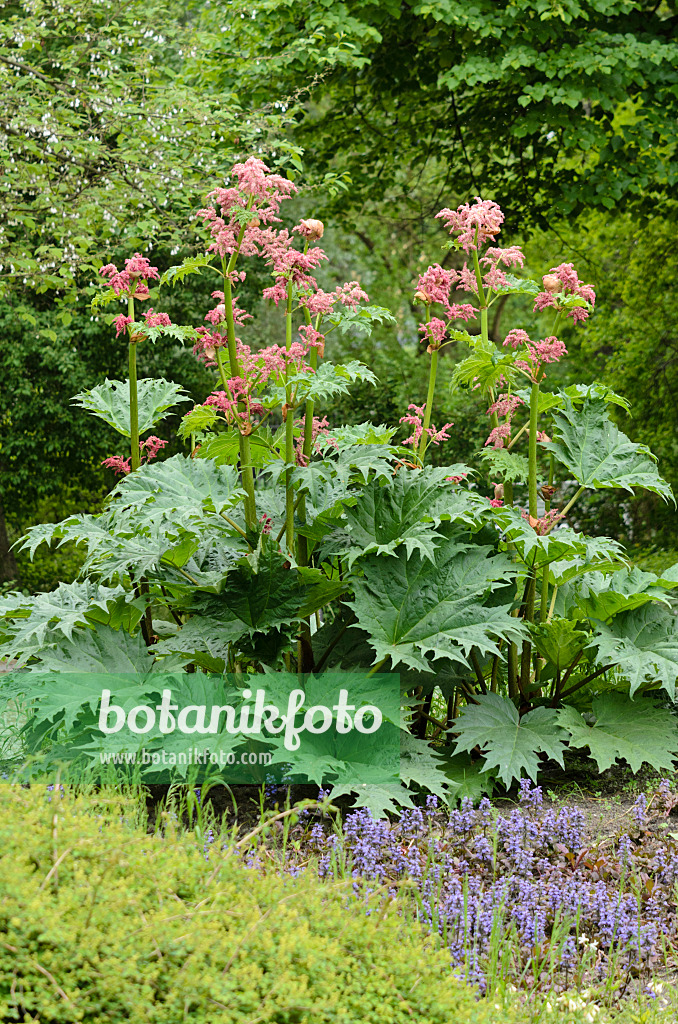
column 100, row 922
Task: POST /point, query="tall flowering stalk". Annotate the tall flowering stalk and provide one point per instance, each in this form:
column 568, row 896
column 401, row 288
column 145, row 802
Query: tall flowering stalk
column 132, row 283
column 474, row 228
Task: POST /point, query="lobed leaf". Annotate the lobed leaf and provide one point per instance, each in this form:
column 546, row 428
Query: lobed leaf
column 599, row 455
column 110, row 402
column 511, row 744
column 638, row 732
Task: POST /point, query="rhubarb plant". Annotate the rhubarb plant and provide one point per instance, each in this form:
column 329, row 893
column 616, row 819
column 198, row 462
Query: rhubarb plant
column 275, row 541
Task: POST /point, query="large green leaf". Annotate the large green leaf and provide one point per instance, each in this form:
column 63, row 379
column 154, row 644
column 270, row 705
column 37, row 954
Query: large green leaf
column 32, row 623
column 391, row 513
column 204, row 634
column 642, row 644
column 71, row 675
column 510, row 743
column 419, row 764
column 559, row 641
column 486, row 366
column 599, row 455
column 469, row 777
column 604, row 595
column 637, row 731
column 224, row 449
column 508, row 466
column 326, row 382
column 110, row 402
column 262, row 591
column 180, row 485
column 417, row 608
column 360, row 320
column 191, row 265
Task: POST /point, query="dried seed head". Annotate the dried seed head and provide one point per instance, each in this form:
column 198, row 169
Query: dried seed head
column 311, row 229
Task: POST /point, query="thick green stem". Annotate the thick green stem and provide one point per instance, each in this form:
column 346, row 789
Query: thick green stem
column 289, row 490
column 288, row 317
column 244, row 441
column 513, row 671
column 482, row 301
column 135, row 453
column 429, row 402
column 543, row 611
column 532, row 477
column 309, row 412
column 289, row 433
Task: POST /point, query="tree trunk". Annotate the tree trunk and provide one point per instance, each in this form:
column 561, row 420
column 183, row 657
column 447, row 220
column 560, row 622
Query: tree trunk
column 8, row 566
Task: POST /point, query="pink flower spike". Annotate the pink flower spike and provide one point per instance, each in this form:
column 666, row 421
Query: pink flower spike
column 456, row 479
column 319, row 302
column 578, row 314
column 118, row 280
column 464, row 311
column 118, row 464
column 351, row 295
column 550, row 350
column 496, row 502
column 505, row 405
column 414, row 419
column 515, row 338
column 434, row 332
column 467, row 280
column 151, row 446
column 435, row 283
column 139, row 266
column 495, row 279
column 543, row 300
column 156, row 319
column 567, row 276
column 122, row 322
column 498, row 436
column 474, row 225
column 436, row 436
column 511, row 257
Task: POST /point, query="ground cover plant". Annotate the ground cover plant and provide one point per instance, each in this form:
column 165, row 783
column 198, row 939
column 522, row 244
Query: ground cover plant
column 525, row 895
column 278, row 541
column 102, row 922
column 517, row 912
